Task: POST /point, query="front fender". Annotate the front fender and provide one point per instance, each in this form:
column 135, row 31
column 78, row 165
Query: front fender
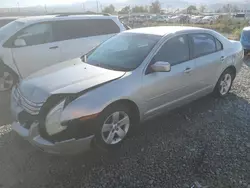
column 96, row 100
column 7, row 60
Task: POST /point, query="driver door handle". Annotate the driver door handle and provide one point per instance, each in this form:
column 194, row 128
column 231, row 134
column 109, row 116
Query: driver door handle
column 53, row 47
column 187, row 70
column 222, row 58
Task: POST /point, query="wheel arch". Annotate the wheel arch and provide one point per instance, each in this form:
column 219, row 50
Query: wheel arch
column 233, row 69
column 2, row 64
column 132, row 106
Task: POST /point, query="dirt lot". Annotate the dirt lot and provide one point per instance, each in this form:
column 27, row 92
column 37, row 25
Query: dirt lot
column 207, row 141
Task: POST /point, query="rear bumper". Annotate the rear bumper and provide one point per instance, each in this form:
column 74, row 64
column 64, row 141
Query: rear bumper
column 72, row 146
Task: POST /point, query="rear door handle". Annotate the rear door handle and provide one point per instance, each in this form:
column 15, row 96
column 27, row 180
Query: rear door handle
column 53, row 47
column 187, row 70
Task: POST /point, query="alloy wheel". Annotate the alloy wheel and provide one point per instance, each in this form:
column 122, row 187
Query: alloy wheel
column 115, row 128
column 225, row 84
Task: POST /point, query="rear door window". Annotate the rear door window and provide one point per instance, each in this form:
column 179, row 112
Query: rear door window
column 203, row 44
column 101, row 27
column 68, row 29
column 73, row 29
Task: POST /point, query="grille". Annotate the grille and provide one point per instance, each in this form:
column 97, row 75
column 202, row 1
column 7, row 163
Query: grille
column 30, row 107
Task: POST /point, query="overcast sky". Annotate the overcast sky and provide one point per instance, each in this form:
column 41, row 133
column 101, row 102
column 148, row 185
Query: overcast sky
column 13, row 3
column 23, row 3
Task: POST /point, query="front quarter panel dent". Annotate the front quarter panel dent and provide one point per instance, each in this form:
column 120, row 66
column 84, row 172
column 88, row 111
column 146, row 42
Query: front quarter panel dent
column 84, row 106
column 96, row 100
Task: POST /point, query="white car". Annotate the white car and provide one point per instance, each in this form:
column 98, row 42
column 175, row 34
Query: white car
column 5, row 20
column 195, row 19
column 32, row 43
column 174, row 19
column 207, row 20
column 160, row 19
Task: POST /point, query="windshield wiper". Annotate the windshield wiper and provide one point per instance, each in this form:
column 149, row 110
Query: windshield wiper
column 111, row 67
column 107, row 66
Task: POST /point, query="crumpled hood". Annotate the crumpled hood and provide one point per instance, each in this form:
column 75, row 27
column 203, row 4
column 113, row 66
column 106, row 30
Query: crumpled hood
column 64, row 78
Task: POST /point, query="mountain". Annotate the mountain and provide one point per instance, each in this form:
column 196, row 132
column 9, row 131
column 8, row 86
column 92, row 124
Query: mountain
column 170, row 3
column 94, row 5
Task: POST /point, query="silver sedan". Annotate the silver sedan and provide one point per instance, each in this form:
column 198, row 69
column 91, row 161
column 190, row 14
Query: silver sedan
column 136, row 75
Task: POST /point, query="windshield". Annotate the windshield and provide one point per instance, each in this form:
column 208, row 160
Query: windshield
column 123, row 52
column 10, row 28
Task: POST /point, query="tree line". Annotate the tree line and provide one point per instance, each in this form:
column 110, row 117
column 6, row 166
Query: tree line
column 155, row 8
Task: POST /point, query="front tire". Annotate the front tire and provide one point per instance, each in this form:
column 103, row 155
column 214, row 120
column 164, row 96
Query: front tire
column 224, row 83
column 7, row 79
column 113, row 127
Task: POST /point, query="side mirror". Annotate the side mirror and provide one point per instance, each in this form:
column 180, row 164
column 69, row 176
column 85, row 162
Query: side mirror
column 161, row 66
column 20, row 42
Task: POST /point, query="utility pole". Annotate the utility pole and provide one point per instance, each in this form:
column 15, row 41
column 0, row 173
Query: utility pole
column 100, row 6
column 97, row 6
column 45, row 8
column 83, row 7
column 230, row 10
column 18, row 6
column 246, row 15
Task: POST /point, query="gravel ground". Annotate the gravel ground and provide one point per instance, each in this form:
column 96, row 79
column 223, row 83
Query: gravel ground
column 205, row 143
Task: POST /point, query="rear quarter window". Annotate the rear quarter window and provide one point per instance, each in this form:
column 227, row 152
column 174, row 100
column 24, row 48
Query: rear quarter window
column 219, row 45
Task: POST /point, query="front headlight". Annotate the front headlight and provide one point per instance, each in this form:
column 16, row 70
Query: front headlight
column 52, row 122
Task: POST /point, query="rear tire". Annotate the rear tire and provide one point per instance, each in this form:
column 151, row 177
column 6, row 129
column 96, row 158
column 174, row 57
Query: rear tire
column 8, row 78
column 246, row 52
column 224, row 83
column 113, row 126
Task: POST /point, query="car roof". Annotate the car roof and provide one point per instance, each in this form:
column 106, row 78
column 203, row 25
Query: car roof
column 208, row 16
column 8, row 18
column 246, row 29
column 164, row 30
column 44, row 18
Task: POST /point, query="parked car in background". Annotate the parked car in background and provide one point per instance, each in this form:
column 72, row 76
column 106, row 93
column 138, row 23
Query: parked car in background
column 32, row 43
column 245, row 39
column 195, row 19
column 5, row 20
column 174, row 19
column 184, row 19
column 153, row 18
column 134, row 76
column 207, row 20
column 159, row 18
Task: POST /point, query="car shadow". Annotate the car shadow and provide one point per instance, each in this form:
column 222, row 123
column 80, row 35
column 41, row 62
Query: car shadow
column 171, row 131
column 247, row 60
column 5, row 117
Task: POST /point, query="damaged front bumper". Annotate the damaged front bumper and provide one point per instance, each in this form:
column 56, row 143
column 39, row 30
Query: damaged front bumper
column 71, row 146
